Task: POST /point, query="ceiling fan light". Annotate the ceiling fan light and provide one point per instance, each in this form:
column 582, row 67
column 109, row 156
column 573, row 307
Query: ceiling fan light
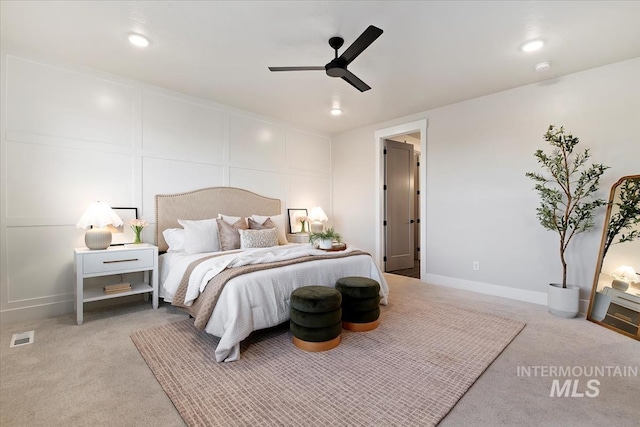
column 336, row 111
column 138, row 40
column 532, row 45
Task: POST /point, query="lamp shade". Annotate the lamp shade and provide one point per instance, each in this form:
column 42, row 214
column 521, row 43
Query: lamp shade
column 98, row 216
column 316, row 214
column 625, row 273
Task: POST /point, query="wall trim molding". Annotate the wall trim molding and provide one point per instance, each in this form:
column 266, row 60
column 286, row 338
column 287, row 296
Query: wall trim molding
column 36, row 312
column 524, row 295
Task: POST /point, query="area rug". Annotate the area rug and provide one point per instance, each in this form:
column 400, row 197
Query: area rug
column 410, row 371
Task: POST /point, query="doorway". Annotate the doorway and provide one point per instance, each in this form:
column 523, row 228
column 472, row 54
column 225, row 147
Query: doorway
column 417, row 210
column 399, row 194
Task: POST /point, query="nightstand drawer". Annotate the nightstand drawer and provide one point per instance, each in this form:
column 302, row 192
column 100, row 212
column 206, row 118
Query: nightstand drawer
column 103, row 262
column 620, row 324
column 623, row 313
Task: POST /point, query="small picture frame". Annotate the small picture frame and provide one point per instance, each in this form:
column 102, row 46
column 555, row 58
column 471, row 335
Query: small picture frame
column 124, row 234
column 294, row 225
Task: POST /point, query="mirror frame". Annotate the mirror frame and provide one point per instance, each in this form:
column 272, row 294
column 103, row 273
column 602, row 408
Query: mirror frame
column 600, row 260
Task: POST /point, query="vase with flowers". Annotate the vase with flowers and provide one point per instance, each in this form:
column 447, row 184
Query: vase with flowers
column 304, row 223
column 137, row 225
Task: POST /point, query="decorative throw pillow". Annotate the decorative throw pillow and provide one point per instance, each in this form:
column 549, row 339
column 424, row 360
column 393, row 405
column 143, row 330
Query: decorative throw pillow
column 228, row 234
column 200, row 235
column 255, row 225
column 278, row 221
column 258, row 238
column 231, row 219
column 175, row 239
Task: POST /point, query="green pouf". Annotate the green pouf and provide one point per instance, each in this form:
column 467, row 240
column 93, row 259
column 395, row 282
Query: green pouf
column 315, row 335
column 316, row 320
column 360, row 304
column 316, row 299
column 361, row 316
column 358, row 287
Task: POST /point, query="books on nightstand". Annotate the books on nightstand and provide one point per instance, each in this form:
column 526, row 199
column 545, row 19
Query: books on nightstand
column 117, row 288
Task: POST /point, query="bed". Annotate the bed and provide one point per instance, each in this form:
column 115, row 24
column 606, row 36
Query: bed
column 231, row 293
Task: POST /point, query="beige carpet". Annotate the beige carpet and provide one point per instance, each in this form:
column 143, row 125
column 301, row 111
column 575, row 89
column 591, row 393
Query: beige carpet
column 410, row 371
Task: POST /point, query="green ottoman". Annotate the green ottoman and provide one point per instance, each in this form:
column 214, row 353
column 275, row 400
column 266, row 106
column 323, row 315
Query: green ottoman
column 316, row 318
column 360, row 303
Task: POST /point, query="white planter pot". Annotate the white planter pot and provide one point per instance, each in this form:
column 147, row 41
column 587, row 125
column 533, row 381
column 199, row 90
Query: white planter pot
column 563, row 302
column 326, row 244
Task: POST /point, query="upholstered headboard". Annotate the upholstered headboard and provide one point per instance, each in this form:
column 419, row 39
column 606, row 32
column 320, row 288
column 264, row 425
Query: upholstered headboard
column 208, row 203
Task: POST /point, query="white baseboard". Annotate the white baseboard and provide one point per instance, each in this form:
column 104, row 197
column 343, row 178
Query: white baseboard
column 495, row 290
column 43, row 311
column 34, row 312
column 489, row 289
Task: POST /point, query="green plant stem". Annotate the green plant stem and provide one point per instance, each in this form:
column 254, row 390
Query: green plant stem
column 564, row 209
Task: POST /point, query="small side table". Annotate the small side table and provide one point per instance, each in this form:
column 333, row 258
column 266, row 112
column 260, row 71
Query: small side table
column 111, row 261
column 298, row 238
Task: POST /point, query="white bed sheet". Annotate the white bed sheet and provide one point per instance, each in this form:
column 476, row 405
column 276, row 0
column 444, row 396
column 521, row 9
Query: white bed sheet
column 260, row 299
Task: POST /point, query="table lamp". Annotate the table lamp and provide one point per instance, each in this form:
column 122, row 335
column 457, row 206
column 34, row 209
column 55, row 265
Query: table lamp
column 622, row 277
column 316, row 219
column 96, row 218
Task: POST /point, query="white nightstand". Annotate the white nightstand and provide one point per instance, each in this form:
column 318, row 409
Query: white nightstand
column 115, row 260
column 298, row 238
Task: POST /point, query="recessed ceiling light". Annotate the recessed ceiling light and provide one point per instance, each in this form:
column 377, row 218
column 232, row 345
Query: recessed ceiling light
column 138, row 40
column 336, row 111
column 543, row 66
column 532, row 45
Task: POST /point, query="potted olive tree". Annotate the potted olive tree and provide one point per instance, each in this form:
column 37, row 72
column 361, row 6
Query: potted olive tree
column 567, row 205
column 627, row 217
column 326, row 238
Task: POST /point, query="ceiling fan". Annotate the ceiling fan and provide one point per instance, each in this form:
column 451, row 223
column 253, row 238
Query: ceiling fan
column 338, row 66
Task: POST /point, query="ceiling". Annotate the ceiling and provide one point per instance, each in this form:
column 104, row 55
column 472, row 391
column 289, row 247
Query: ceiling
column 431, row 53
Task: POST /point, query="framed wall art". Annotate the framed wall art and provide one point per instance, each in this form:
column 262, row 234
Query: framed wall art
column 123, row 234
column 295, row 224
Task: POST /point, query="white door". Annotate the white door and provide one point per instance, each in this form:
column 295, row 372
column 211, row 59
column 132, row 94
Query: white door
column 399, row 200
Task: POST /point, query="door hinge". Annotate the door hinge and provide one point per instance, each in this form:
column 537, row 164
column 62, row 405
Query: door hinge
column 418, row 192
column 418, row 220
column 418, row 249
column 384, row 259
column 384, row 223
column 384, row 187
column 384, row 151
column 418, row 164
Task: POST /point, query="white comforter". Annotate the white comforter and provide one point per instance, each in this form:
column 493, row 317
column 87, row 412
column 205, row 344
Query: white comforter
column 259, row 299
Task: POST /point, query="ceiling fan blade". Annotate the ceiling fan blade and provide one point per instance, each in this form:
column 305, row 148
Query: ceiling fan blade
column 296, row 68
column 351, row 78
column 366, row 38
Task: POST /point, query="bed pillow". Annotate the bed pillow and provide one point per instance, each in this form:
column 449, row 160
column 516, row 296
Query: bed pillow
column 255, row 225
column 228, row 234
column 200, row 235
column 264, row 238
column 278, row 220
column 231, row 219
column 175, row 239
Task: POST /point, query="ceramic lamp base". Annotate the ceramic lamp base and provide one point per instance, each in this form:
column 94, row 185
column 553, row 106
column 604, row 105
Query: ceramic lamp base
column 620, row 285
column 317, row 227
column 97, row 238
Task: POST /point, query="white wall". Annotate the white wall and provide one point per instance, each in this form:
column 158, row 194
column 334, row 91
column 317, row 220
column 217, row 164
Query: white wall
column 72, row 135
column 479, row 204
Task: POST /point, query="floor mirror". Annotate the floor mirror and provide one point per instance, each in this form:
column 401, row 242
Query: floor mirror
column 615, row 297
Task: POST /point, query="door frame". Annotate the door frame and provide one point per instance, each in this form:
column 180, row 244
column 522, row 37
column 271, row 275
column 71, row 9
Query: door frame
column 379, row 137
